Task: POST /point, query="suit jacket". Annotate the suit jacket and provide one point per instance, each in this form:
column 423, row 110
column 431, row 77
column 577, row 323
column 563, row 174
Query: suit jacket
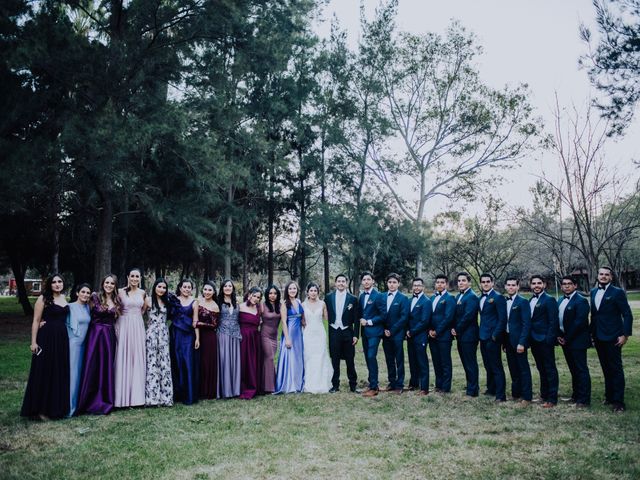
column 397, row 317
column 493, row 317
column 372, row 311
column 466, row 317
column 576, row 322
column 443, row 316
column 519, row 322
column 614, row 318
column 350, row 317
column 544, row 320
column 420, row 317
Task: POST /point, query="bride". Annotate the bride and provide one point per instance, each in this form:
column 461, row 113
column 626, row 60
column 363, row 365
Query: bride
column 317, row 365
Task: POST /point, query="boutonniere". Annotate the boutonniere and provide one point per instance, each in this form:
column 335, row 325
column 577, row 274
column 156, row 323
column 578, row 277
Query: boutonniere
column 569, row 308
column 607, row 298
column 491, row 300
column 349, row 306
column 537, row 305
column 396, row 303
column 370, row 302
column 515, row 307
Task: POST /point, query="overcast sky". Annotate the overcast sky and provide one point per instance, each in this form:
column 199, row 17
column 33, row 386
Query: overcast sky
column 524, row 41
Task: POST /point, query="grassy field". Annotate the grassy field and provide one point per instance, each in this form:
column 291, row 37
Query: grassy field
column 318, row 436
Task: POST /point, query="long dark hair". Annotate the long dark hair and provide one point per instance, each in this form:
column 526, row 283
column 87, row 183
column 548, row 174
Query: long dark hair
column 233, row 292
column 210, row 283
column 287, row 300
column 47, row 291
column 270, row 307
column 127, row 289
column 154, row 296
column 102, row 295
column 251, row 291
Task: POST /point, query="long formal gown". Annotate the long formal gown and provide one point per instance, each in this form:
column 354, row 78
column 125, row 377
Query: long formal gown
column 317, row 364
column 158, row 388
column 250, row 355
column 77, row 326
column 290, row 376
column 186, row 362
column 47, row 390
column 131, row 364
column 228, row 352
column 208, row 322
column 269, row 336
column 97, row 387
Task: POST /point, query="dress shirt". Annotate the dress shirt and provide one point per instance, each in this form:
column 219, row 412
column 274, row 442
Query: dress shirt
column 390, row 298
column 600, row 295
column 483, row 298
column 533, row 302
column 415, row 300
column 562, row 307
column 509, row 304
column 436, row 299
column 341, row 297
column 461, row 295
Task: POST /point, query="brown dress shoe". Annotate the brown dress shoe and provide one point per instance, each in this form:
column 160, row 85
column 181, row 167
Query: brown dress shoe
column 372, row 392
column 410, row 388
column 388, row 388
column 423, row 393
column 524, row 403
column 548, row 405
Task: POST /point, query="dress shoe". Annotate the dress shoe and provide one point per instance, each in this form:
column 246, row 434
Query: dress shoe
column 472, row 395
column 398, row 390
column 618, row 408
column 524, row 403
column 411, row 388
column 516, row 399
column 438, row 390
column 388, row 388
column 423, row 393
column 568, row 399
column 355, row 390
column 500, row 400
column 334, row 390
column 372, row 392
column 580, row 405
column 548, row 405
column 488, row 393
column 606, row 402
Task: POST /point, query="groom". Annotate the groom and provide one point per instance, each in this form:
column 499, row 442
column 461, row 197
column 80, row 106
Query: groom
column 343, row 332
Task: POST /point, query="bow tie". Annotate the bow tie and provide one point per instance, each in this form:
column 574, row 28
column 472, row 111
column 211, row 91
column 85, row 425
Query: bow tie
column 416, row 295
column 510, row 298
column 438, row 294
column 485, row 294
column 602, row 287
column 567, row 297
column 535, row 296
column 390, row 294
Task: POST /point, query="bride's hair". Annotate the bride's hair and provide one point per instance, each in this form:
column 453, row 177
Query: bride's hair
column 311, row 285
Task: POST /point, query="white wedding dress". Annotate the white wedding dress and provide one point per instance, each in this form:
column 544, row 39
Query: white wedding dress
column 317, row 364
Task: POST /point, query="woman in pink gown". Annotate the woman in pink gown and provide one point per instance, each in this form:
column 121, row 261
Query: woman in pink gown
column 269, row 335
column 250, row 345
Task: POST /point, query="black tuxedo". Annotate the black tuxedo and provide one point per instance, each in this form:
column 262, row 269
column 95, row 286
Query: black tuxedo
column 610, row 320
column 341, row 339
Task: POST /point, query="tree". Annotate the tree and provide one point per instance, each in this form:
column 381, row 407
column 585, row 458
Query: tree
column 453, row 127
column 613, row 64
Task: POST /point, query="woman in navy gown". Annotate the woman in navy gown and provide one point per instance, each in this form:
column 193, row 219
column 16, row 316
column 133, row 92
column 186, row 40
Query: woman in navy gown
column 250, row 345
column 97, row 387
column 290, row 376
column 47, row 393
column 185, row 343
column 77, row 327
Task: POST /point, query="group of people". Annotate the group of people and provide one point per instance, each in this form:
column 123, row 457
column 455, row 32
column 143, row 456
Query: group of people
column 95, row 354
column 509, row 324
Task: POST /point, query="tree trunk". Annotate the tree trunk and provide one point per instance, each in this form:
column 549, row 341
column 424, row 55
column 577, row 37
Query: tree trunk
column 303, row 238
column 102, row 263
column 19, row 270
column 55, row 258
column 227, row 253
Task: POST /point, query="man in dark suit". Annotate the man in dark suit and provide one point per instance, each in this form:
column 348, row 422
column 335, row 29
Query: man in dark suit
column 544, row 329
column 516, row 342
column 342, row 310
column 371, row 316
column 419, row 322
column 493, row 321
column 440, row 339
column 611, row 322
column 466, row 331
column 573, row 320
column 396, row 316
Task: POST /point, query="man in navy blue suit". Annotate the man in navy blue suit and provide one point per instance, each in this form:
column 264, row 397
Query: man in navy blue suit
column 611, row 322
column 573, row 320
column 493, row 321
column 440, row 339
column 371, row 321
column 517, row 341
column 419, row 321
column 544, row 330
column 396, row 315
column 466, row 331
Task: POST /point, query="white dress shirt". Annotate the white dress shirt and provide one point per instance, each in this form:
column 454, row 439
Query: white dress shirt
column 533, row 302
column 562, row 307
column 509, row 304
column 390, row 297
column 436, row 298
column 415, row 300
column 600, row 295
column 483, row 298
column 341, row 297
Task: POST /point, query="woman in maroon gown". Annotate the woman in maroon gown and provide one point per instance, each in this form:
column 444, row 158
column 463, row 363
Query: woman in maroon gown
column 97, row 387
column 269, row 335
column 250, row 345
column 208, row 312
column 47, row 393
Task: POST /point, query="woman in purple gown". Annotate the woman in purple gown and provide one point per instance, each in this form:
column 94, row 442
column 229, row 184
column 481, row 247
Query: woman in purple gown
column 250, row 345
column 97, row 387
column 185, row 343
column 290, row 376
column 47, row 393
column 229, row 338
column 208, row 312
column 269, row 334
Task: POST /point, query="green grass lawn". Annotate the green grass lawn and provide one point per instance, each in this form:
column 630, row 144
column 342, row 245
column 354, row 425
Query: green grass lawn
column 310, row 436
